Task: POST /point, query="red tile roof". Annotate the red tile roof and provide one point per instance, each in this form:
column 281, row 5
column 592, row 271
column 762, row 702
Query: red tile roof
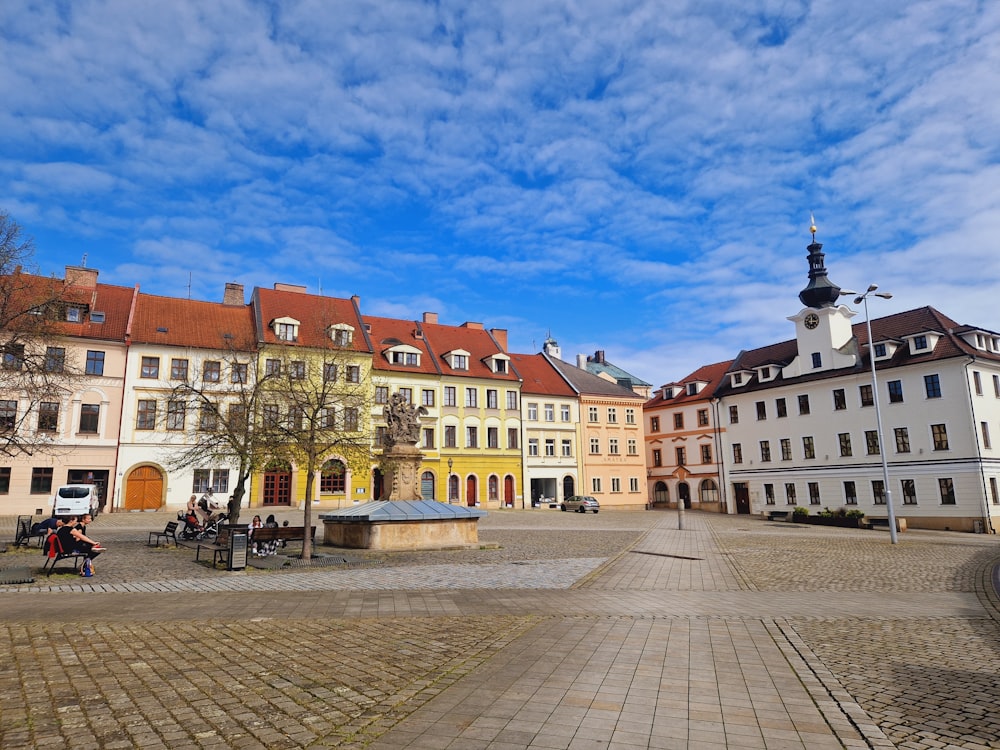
column 711, row 375
column 540, row 377
column 472, row 338
column 388, row 332
column 314, row 313
column 183, row 322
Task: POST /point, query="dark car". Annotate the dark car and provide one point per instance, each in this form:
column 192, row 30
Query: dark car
column 580, row 504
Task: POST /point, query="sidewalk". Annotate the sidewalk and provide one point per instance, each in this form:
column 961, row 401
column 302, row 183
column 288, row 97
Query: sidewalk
column 610, row 631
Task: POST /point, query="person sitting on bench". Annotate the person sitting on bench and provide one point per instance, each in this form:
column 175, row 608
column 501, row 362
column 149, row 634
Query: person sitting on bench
column 72, row 536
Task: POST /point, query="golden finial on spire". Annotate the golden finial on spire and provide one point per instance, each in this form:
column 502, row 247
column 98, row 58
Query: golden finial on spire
column 812, row 225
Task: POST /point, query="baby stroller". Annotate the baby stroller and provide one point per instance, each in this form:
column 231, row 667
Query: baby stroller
column 194, row 528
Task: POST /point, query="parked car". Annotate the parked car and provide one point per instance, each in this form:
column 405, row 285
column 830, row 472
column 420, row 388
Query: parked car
column 580, row 504
column 75, row 500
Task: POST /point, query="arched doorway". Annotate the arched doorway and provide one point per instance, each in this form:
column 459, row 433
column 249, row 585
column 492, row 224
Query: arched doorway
column 453, row 488
column 378, row 484
column 661, row 494
column 144, row 488
column 708, row 492
column 508, row 490
column 569, row 488
column 427, row 485
column 684, row 494
column 471, row 492
column 277, row 484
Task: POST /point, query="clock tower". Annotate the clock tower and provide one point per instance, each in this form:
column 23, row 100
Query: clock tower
column 822, row 327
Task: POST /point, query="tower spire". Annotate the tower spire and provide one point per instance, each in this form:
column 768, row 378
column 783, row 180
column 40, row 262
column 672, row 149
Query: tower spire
column 820, row 292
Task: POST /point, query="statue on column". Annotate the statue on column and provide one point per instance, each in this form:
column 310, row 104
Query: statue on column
column 400, row 455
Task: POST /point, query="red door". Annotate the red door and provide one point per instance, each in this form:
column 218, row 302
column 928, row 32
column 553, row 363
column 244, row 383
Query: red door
column 471, row 494
column 277, row 488
column 508, row 490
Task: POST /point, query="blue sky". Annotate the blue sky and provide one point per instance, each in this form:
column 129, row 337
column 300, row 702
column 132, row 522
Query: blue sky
column 634, row 176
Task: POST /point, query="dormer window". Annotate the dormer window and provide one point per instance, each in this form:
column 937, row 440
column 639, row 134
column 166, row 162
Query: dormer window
column 982, row 340
column 879, row 351
column 696, row 387
column 458, row 359
column 74, row 314
column 767, row 373
column 285, row 329
column 97, row 317
column 740, row 378
column 922, row 343
column 402, row 354
column 341, row 334
column 498, row 363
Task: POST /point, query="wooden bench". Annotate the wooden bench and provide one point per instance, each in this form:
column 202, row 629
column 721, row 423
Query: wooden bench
column 778, row 515
column 24, row 534
column 169, row 532
column 282, row 534
column 883, row 523
column 219, row 547
column 54, row 553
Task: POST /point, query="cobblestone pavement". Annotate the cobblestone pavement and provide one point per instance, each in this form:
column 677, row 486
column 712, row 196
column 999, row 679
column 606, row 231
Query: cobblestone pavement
column 564, row 631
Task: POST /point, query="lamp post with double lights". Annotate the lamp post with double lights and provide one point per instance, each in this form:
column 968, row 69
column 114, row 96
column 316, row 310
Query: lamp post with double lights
column 878, row 412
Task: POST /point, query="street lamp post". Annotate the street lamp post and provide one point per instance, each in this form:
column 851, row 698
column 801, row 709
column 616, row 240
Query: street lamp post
column 878, row 412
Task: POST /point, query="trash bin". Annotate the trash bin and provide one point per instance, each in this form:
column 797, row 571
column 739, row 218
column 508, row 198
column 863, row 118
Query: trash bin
column 238, row 544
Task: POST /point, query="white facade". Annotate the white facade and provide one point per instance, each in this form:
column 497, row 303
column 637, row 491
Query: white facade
column 551, row 447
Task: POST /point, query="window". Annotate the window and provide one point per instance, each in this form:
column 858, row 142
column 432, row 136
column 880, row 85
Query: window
column 333, row 478
column 550, row 447
column 734, row 415
column 8, row 415
column 977, row 380
column 679, row 421
column 450, row 437
column 512, row 400
column 297, row 370
column 947, row 489
column 844, row 439
column 813, row 493
column 612, row 415
column 595, row 485
column 985, row 427
column 939, row 434
column 790, row 493
column 839, row 399
column 769, row 494
column 786, row 449
column 286, row 331
column 657, row 457
column 761, row 410
column 532, row 446
column 493, row 437
column 272, row 367
column 55, row 359
column 460, row 362
column 613, row 446
column 146, row 415
column 74, row 314
column 381, row 394
column 407, row 394
column 550, row 413
column 708, row 491
column 932, row 386
column 633, row 484
column 351, row 419
column 13, row 356
column 329, row 372
column 871, row 442
column 41, row 480
column 471, row 437
column 919, row 343
column 737, row 453
column 428, row 433
column 150, row 367
column 996, row 386
column 5, row 480
column 703, row 417
column 865, row 391
column 564, row 413
column 450, row 396
column 803, row 404
column 512, row 438
column 780, row 407
column 592, row 414
column 878, row 491
column 492, row 400
column 208, row 418
column 895, row 391
column 706, row 454
column 341, row 336
column 902, row 440
column 808, row 447
column 765, row 450
column 407, row 359
column 211, row 372
column 533, row 412
column 471, row 397
column 48, row 416
column 328, row 418
column 236, row 416
column 427, row 397
column 909, row 491
column 270, row 415
column 654, row 424
column 629, row 415
column 817, row 360
column 681, row 455
column 567, row 448
column 879, row 351
column 296, row 417
column 353, row 374
column 215, row 479
column 633, row 447
column 994, row 493
column 176, row 413
column 95, row 363
column 238, row 372
column 850, row 493
column 616, row 484
column 90, row 415
column 595, row 446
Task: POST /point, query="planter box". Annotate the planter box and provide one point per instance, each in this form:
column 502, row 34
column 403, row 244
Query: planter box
column 844, row 523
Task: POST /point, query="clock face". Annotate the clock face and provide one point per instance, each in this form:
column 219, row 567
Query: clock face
column 812, row 320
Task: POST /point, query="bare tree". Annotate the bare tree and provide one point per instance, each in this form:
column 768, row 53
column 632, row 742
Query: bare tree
column 318, row 408
column 35, row 371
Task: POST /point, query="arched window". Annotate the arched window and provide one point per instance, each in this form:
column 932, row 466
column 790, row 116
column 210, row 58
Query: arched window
column 333, row 478
column 427, row 485
column 494, row 487
column 708, row 492
column 453, row 488
column 661, row 493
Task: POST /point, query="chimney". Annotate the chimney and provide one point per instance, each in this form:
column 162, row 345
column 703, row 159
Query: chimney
column 472, row 326
column 430, row 317
column 581, row 361
column 233, row 294
column 80, row 276
column 279, row 287
column 599, row 356
column 500, row 334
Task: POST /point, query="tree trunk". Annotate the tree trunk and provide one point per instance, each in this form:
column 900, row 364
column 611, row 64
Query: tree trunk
column 236, row 500
column 307, row 519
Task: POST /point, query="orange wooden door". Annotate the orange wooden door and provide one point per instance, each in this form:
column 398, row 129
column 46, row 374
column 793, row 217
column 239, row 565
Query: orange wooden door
column 144, row 489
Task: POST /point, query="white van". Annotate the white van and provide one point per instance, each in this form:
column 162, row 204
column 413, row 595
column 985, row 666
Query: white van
column 75, row 500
